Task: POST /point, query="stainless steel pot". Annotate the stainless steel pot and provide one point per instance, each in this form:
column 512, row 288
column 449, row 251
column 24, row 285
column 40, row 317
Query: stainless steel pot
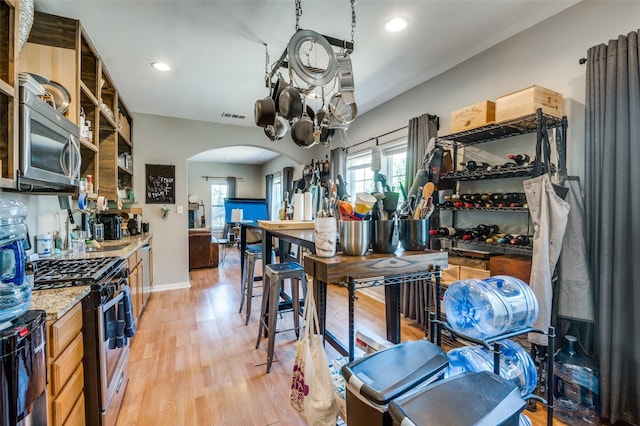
column 290, row 103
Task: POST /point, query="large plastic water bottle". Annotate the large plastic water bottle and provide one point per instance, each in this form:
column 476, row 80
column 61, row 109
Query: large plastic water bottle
column 15, row 292
column 515, row 364
column 487, row 308
column 575, row 385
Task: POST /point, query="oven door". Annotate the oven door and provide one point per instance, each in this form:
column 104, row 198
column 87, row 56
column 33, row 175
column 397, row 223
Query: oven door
column 114, row 349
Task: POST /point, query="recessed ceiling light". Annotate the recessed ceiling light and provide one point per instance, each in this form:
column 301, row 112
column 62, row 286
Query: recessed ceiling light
column 396, row 24
column 160, row 66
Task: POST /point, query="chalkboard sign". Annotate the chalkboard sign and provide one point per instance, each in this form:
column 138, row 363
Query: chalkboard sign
column 161, row 184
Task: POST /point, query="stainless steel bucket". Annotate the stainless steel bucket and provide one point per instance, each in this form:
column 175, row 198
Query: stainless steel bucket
column 355, row 237
column 385, row 236
column 414, row 234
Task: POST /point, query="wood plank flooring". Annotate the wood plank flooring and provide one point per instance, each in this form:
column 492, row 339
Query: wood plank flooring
column 194, row 362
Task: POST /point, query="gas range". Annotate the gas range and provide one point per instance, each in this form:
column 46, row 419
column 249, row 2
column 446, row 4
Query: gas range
column 59, row 273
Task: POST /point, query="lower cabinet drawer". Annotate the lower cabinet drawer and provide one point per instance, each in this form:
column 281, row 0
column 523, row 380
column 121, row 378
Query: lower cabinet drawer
column 76, row 416
column 63, row 367
column 64, row 402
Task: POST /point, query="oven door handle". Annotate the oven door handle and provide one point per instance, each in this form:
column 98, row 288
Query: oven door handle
column 105, row 307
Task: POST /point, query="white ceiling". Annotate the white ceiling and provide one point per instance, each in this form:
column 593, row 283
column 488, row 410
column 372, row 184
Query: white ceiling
column 218, row 57
column 236, row 154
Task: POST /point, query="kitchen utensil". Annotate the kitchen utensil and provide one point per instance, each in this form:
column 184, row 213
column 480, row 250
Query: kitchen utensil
column 425, row 201
column 290, row 103
column 312, row 57
column 264, row 110
column 342, row 114
column 414, row 234
column 355, row 237
column 345, row 78
column 302, row 131
column 278, row 87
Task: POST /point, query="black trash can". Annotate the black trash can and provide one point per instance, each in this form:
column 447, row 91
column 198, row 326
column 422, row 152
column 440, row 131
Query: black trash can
column 468, row 399
column 373, row 381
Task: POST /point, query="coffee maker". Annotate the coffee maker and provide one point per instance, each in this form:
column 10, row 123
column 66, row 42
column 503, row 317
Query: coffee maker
column 112, row 226
column 132, row 226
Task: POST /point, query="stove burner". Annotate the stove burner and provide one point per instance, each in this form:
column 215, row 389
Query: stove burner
column 58, row 273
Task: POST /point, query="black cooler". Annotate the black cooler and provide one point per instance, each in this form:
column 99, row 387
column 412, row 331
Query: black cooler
column 373, row 381
column 468, row 399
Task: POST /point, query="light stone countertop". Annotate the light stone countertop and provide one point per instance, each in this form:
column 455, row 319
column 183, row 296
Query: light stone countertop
column 57, row 302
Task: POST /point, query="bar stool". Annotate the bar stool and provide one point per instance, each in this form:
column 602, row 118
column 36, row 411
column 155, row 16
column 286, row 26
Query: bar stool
column 275, row 275
column 251, row 254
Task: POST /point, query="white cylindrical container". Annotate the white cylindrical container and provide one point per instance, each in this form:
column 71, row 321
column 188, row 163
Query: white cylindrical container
column 308, row 206
column 44, row 245
column 236, row 215
column 298, row 206
column 325, row 230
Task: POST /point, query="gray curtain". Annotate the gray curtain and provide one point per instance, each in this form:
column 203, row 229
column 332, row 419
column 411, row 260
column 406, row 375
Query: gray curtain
column 421, row 129
column 231, row 187
column 268, row 191
column 612, row 205
column 338, row 161
column 414, row 299
column 287, row 182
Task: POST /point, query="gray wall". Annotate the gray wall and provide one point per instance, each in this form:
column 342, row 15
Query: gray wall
column 546, row 54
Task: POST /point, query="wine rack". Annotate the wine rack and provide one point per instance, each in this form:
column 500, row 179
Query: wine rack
column 533, row 123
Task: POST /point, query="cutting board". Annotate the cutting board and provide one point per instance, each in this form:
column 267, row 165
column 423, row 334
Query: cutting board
column 285, row 224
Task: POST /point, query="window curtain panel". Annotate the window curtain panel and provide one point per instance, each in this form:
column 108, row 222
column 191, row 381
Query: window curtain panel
column 231, row 187
column 338, row 161
column 268, row 191
column 414, row 296
column 287, row 182
column 612, row 203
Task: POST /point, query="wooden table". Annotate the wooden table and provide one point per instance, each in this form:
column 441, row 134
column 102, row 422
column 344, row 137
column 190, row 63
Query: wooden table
column 373, row 269
column 356, row 272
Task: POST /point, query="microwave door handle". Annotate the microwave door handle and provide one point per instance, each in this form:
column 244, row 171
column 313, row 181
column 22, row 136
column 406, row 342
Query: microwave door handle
column 63, row 156
column 77, row 158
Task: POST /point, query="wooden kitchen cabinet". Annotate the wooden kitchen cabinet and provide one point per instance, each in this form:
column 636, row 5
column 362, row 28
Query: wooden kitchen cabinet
column 65, row 373
column 60, row 49
column 8, row 92
column 136, row 271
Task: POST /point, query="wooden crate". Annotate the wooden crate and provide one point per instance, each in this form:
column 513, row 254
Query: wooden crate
column 512, row 265
column 450, row 274
column 526, row 101
column 473, row 116
column 475, row 273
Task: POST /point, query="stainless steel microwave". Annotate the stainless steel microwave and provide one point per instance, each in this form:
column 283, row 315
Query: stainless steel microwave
column 49, row 147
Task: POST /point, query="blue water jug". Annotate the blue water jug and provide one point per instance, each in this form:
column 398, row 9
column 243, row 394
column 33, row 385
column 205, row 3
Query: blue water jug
column 15, row 292
column 487, row 308
column 515, row 363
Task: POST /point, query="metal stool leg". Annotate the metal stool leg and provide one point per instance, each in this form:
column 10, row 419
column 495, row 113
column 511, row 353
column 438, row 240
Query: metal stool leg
column 243, row 282
column 263, row 311
column 274, row 293
column 249, row 288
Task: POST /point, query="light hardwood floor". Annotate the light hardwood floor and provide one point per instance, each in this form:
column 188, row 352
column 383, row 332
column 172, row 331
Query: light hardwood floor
column 194, row 362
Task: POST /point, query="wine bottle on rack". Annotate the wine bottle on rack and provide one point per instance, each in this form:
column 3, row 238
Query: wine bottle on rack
column 520, row 159
column 444, row 231
column 472, row 165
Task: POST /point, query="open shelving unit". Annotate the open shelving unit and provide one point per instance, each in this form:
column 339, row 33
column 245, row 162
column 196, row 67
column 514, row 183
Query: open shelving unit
column 60, row 49
column 8, row 93
column 532, row 123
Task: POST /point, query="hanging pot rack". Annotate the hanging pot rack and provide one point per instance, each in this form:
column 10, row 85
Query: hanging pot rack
column 282, row 62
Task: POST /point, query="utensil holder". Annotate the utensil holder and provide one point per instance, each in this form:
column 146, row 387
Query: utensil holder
column 385, row 236
column 325, row 230
column 355, row 237
column 414, row 234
